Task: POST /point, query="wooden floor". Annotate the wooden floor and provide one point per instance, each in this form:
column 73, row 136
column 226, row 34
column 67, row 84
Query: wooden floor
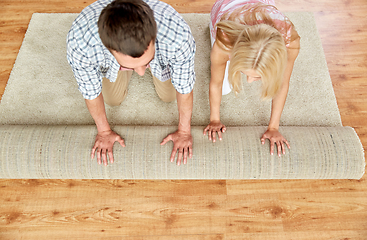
column 307, row 209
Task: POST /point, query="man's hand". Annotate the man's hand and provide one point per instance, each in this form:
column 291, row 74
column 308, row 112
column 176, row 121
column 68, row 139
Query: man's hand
column 213, row 128
column 275, row 137
column 104, row 143
column 182, row 141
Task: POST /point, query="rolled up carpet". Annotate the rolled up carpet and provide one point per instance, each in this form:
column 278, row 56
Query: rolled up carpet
column 63, row 152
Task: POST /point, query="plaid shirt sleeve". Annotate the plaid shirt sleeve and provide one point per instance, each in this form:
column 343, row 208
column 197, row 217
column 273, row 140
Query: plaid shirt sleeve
column 175, row 48
column 85, row 71
column 182, row 69
column 88, row 58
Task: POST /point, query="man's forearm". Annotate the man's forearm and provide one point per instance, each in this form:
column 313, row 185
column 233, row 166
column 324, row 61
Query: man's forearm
column 185, row 105
column 97, row 111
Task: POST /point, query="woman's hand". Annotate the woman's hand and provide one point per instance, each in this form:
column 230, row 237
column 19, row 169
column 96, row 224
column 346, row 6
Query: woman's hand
column 275, row 137
column 214, row 128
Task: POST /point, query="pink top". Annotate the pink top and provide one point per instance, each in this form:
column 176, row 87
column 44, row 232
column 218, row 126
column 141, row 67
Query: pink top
column 221, row 7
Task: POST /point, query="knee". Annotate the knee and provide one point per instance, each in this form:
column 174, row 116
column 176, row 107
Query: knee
column 165, row 90
column 114, row 101
column 168, row 98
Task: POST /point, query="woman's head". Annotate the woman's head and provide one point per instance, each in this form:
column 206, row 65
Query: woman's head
column 260, row 48
column 127, row 26
column 255, row 43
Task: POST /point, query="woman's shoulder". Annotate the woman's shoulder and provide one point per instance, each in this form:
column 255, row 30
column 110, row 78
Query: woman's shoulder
column 219, row 55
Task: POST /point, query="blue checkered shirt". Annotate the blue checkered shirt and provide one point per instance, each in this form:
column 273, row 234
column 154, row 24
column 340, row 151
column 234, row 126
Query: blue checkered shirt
column 91, row 60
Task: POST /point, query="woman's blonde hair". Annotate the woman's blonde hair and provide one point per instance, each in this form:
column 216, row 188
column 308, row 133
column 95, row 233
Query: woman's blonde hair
column 255, row 43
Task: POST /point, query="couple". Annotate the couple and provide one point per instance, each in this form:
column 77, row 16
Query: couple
column 112, row 38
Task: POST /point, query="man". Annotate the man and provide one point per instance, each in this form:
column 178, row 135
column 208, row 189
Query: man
column 109, row 40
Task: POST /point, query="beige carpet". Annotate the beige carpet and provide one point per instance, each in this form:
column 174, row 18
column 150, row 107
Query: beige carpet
column 42, row 89
column 47, row 132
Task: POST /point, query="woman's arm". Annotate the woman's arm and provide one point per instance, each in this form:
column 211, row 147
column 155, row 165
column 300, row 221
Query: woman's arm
column 278, row 103
column 218, row 59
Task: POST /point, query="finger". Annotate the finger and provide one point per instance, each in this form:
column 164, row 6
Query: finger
column 104, row 157
column 224, row 128
column 166, row 140
column 279, row 148
column 99, row 156
column 214, row 135
column 220, row 135
column 262, row 139
column 173, row 154
column 93, row 152
column 205, row 130
column 122, row 142
column 110, row 155
column 179, row 157
column 190, row 152
column 210, row 132
column 185, row 155
column 271, row 148
column 283, row 148
column 286, row 142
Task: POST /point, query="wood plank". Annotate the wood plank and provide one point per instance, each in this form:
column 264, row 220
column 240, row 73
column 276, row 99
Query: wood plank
column 115, row 208
column 306, row 235
column 236, row 187
column 298, row 212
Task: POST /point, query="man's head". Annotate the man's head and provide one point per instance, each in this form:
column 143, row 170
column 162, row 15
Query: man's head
column 127, row 27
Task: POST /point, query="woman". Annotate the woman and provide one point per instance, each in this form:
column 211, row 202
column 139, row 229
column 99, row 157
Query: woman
column 251, row 37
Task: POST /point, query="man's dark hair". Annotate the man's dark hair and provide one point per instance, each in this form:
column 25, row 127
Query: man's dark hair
column 127, row 26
